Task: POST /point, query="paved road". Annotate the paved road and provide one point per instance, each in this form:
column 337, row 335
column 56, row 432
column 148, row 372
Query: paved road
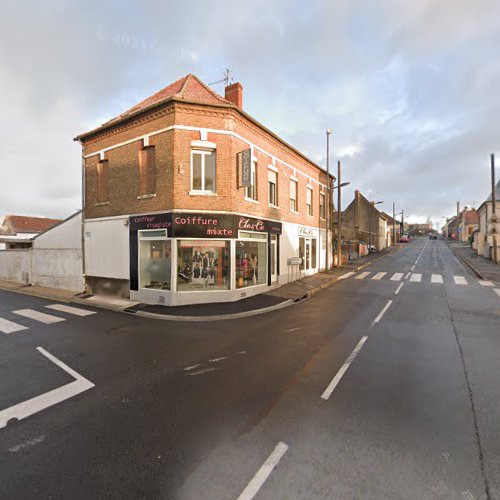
column 383, row 386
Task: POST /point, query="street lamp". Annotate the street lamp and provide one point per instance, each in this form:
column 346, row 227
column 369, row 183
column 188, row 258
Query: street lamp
column 339, row 186
column 328, row 195
column 370, row 224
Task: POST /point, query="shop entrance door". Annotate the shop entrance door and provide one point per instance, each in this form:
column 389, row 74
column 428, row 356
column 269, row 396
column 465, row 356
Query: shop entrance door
column 307, row 250
column 274, row 258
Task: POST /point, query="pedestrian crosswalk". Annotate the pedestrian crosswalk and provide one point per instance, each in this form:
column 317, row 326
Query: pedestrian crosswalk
column 9, row 326
column 418, row 278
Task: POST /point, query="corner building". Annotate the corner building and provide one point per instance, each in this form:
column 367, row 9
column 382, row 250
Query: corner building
column 188, row 199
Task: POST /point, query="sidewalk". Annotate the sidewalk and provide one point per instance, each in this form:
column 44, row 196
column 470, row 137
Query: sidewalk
column 277, row 298
column 485, row 269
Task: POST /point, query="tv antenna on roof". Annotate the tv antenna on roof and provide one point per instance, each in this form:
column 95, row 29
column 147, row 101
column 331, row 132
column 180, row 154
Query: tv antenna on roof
column 228, row 78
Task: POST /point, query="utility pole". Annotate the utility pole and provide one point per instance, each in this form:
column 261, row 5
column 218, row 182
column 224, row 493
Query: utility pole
column 327, row 262
column 458, row 209
column 494, row 208
column 402, row 221
column 394, row 223
column 339, row 215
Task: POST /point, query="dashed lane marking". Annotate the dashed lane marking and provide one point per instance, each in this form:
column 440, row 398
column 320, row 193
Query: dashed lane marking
column 398, row 289
column 70, row 310
column 201, row 372
column 7, row 326
column 216, row 360
column 379, row 276
column 192, row 367
column 396, row 277
column 485, row 283
column 416, row 277
column 459, row 280
column 362, row 276
column 497, row 291
column 264, row 472
column 38, row 316
column 335, row 381
column 382, row 312
column 436, row 278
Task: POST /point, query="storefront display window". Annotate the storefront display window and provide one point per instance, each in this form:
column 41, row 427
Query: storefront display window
column 251, row 261
column 155, row 263
column 203, row 265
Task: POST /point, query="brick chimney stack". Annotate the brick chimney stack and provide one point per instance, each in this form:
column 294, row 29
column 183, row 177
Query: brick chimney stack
column 234, row 94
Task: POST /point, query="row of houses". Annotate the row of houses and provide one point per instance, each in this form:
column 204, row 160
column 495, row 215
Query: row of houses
column 479, row 228
column 189, row 199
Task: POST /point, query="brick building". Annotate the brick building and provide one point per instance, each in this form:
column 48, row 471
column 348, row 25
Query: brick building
column 189, row 199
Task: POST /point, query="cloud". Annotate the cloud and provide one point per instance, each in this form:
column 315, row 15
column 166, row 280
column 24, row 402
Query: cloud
column 409, row 88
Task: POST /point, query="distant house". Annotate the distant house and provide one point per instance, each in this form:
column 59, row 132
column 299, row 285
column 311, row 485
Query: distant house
column 453, row 224
column 419, row 229
column 363, row 222
column 17, row 231
column 469, row 221
column 487, row 223
column 393, row 229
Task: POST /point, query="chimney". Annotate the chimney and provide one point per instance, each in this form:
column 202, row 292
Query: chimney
column 234, row 94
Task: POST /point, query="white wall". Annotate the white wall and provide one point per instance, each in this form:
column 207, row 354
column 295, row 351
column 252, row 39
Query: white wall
column 54, row 261
column 14, row 263
column 107, row 248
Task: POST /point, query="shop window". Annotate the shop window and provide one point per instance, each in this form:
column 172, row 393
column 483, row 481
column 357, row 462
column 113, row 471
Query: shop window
column 293, row 196
column 273, row 192
column 103, row 181
column 203, row 171
column 147, row 171
column 155, row 261
column 309, row 201
column 251, row 191
column 308, row 253
column 203, row 265
column 322, row 205
column 251, row 262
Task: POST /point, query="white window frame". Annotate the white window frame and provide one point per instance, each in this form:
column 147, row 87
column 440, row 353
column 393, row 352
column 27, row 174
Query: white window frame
column 296, row 199
column 203, row 153
column 272, row 171
column 309, row 201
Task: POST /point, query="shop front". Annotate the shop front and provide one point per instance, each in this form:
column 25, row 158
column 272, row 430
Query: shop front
column 189, row 258
column 308, row 249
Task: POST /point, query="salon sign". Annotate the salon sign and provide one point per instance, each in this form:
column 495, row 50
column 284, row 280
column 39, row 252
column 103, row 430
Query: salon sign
column 308, row 232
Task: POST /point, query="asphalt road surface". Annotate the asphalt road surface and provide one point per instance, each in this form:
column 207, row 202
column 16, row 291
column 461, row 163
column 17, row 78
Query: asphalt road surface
column 385, row 385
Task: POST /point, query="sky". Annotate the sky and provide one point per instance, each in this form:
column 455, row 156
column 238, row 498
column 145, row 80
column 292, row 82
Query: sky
column 410, row 88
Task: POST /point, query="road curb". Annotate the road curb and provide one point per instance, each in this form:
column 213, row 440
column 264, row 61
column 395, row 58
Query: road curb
column 467, row 263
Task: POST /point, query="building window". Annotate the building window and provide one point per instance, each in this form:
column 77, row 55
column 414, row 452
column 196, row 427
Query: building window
column 251, row 260
column 293, row 196
column 322, row 205
column 273, row 188
column 154, row 260
column 309, row 201
column 251, row 191
column 203, row 265
column 203, row 171
column 147, row 171
column 103, row 181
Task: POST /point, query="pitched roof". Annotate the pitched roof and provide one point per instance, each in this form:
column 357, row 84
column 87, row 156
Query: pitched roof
column 23, row 224
column 189, row 88
column 497, row 192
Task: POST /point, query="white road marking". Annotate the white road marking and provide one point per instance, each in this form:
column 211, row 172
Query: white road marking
column 39, row 316
column 416, row 277
column 70, row 310
column 216, row 360
column 407, row 276
column 497, row 291
column 242, row 352
column 290, row 330
column 343, row 369
column 346, row 275
column 201, row 372
column 379, row 276
column 396, row 277
column 192, row 367
column 382, row 312
column 467, row 495
column 486, row 283
column 460, row 280
column 264, row 472
column 398, row 288
column 436, row 278
column 27, row 443
column 48, row 399
column 7, row 326
column 362, row 276
column 412, row 267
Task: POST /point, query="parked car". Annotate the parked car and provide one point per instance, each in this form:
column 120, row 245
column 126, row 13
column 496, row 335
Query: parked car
column 404, row 239
column 433, row 237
